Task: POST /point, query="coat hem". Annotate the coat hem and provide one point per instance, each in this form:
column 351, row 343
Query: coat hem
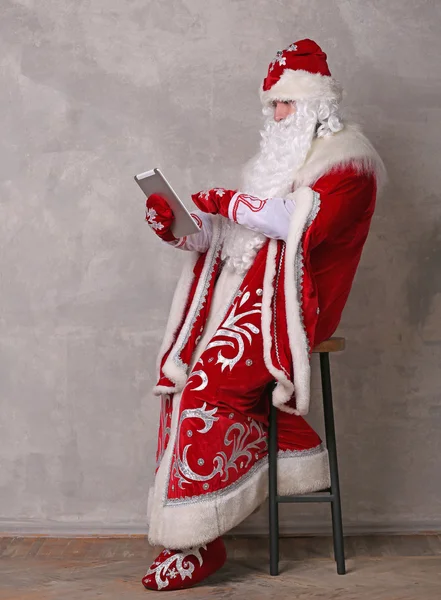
column 203, row 519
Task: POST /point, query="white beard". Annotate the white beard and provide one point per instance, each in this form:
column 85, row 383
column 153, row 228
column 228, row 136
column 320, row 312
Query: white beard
column 240, row 247
column 283, row 150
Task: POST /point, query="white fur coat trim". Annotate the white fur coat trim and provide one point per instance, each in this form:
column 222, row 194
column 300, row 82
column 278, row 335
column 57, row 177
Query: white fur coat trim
column 158, row 390
column 205, row 519
column 347, row 147
column 304, row 213
column 302, row 85
column 173, row 367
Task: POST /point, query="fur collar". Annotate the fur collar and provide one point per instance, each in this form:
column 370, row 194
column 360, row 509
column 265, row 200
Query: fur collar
column 348, row 146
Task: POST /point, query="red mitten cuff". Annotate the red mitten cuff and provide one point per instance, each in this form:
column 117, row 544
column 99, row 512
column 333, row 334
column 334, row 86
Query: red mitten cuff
column 215, row 201
column 160, row 217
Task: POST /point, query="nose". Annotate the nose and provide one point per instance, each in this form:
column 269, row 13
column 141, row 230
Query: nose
column 281, row 111
column 278, row 113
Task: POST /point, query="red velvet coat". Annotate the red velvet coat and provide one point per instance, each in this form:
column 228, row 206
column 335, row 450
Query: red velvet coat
column 307, row 280
column 332, row 247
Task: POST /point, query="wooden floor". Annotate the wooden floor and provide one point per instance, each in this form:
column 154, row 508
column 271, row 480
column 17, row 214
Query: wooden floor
column 380, row 568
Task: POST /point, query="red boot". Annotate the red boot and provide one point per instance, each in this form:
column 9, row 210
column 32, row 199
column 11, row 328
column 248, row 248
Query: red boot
column 178, row 569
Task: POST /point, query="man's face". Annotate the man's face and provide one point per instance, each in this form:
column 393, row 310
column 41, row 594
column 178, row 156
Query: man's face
column 283, row 109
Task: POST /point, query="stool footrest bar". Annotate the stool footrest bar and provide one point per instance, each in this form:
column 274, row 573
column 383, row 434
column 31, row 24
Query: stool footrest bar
column 297, row 499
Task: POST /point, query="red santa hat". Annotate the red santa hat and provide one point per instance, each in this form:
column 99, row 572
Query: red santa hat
column 300, row 72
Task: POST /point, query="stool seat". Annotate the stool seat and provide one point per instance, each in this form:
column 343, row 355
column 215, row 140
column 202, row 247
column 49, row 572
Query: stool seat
column 333, row 344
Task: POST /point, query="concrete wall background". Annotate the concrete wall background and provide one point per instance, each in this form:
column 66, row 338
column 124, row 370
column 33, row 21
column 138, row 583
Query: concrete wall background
column 93, row 91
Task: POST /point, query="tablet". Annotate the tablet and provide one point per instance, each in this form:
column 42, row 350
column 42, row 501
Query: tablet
column 154, row 182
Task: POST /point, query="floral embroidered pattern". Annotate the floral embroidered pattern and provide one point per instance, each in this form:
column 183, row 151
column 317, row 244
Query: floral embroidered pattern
column 230, row 328
column 182, row 470
column 176, row 564
column 206, row 194
column 150, row 217
column 246, row 442
column 279, row 59
column 241, row 449
column 204, row 380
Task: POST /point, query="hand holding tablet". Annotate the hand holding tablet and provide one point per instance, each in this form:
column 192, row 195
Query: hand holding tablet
column 154, row 182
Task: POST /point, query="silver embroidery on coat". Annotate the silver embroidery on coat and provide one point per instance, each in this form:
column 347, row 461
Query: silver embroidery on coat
column 258, row 466
column 230, row 328
column 204, row 379
column 276, row 290
column 182, row 470
column 237, row 436
column 240, row 448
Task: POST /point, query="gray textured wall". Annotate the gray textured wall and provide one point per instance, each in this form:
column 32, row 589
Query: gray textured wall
column 93, row 91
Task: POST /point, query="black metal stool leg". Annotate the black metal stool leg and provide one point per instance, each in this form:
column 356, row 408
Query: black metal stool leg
column 272, row 492
column 337, row 524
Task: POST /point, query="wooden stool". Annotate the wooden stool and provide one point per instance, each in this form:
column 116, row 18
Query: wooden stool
column 332, row 494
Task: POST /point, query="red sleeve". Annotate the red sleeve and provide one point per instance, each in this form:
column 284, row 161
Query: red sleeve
column 346, row 198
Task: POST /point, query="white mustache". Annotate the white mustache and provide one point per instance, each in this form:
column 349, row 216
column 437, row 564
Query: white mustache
column 283, row 149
